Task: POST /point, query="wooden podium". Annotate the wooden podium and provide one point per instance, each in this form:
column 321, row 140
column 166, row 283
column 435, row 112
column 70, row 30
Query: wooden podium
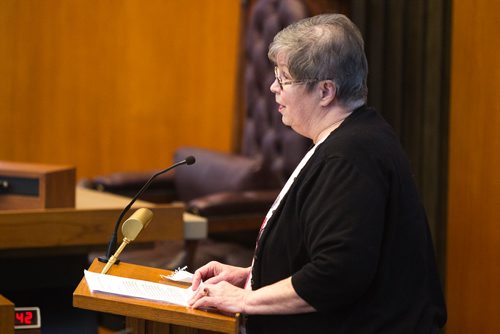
column 6, row 316
column 151, row 317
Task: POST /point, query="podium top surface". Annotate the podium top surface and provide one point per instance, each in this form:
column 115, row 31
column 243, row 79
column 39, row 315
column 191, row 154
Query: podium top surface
column 149, row 310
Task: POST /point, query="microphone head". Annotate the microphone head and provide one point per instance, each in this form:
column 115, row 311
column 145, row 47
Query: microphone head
column 190, row 160
column 137, row 221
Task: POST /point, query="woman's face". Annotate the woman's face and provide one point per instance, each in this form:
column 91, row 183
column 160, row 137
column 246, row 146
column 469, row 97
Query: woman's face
column 296, row 104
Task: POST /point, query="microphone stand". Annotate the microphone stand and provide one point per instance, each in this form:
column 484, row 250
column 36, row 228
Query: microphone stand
column 113, row 241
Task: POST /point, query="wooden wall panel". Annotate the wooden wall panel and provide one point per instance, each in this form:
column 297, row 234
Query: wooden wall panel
column 115, row 85
column 473, row 244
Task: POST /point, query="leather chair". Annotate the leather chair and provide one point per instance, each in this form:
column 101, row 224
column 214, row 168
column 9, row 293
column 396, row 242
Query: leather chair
column 234, row 191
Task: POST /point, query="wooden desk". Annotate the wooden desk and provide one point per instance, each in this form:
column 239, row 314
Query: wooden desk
column 90, row 223
column 6, row 316
column 150, row 317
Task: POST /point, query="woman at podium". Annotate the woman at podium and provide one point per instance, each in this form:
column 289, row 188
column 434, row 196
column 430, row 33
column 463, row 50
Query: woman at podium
column 345, row 248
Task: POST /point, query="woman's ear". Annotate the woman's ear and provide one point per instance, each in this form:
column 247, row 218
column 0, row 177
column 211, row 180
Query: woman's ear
column 328, row 91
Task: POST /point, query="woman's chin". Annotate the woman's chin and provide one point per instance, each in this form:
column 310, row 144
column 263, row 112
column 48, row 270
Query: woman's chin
column 285, row 120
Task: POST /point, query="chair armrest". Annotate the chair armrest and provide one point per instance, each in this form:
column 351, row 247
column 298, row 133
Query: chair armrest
column 233, row 203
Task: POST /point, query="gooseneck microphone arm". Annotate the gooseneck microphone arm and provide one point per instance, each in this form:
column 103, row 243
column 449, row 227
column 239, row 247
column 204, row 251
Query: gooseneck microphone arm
column 112, row 242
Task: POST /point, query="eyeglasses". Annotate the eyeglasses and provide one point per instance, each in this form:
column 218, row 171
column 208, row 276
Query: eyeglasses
column 282, row 83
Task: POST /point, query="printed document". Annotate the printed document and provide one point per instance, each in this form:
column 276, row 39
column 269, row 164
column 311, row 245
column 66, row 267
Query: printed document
column 138, row 288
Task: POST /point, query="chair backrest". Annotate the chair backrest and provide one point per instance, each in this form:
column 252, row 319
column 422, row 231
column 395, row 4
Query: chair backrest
column 263, row 134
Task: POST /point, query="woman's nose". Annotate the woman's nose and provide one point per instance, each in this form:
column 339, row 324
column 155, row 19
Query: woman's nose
column 275, row 87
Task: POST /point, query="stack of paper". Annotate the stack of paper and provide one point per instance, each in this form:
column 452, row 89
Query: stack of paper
column 138, row 289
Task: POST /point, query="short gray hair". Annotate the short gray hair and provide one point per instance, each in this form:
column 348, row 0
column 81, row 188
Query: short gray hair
column 325, row 47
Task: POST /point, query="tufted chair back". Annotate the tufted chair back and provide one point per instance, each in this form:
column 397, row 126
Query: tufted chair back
column 264, row 136
column 269, row 151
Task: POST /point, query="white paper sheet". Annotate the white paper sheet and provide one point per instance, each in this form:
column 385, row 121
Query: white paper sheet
column 138, row 288
column 180, row 275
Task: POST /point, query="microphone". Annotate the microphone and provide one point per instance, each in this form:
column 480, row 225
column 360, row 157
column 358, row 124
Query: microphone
column 112, row 242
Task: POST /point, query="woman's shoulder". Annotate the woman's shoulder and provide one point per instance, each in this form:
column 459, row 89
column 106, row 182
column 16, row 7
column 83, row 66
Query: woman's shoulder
column 364, row 130
column 365, row 140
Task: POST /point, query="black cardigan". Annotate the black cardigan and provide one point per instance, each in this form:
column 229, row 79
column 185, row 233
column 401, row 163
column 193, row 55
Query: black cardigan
column 353, row 234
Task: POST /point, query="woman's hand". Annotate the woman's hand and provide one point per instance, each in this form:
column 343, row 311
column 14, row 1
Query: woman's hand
column 215, row 272
column 278, row 298
column 223, row 296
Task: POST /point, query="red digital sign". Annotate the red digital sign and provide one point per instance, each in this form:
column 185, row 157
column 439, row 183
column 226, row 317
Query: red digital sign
column 27, row 317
